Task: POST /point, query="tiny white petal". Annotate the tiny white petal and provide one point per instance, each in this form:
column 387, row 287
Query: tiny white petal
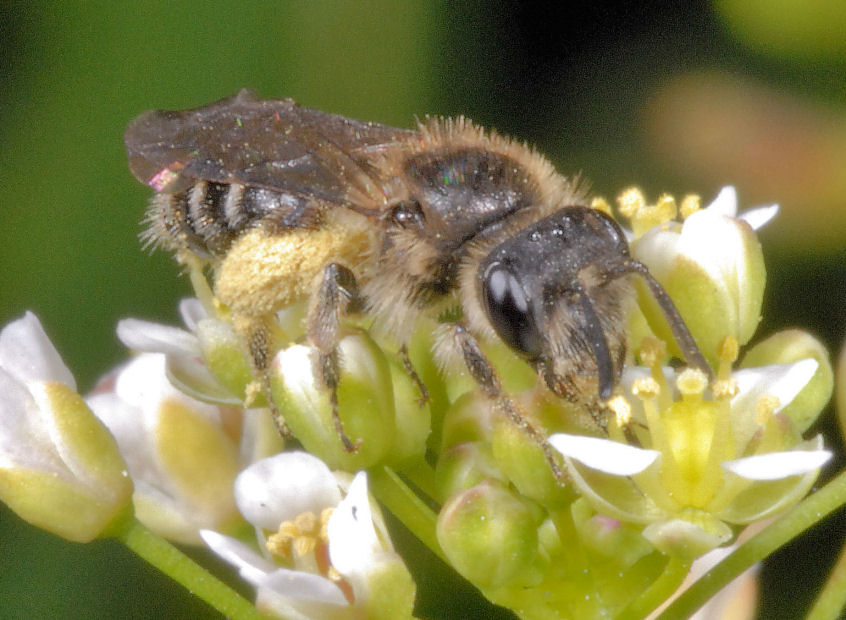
column 283, row 486
column 302, row 587
column 192, row 312
column 604, row 455
column 778, row 465
column 141, row 335
column 759, row 216
column 28, row 355
column 783, row 381
column 352, row 537
column 725, row 203
column 249, row 563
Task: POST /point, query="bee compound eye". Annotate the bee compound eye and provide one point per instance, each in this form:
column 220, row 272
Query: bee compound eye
column 510, row 310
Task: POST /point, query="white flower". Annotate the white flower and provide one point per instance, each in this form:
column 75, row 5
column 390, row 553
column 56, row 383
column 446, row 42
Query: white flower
column 180, row 456
column 707, row 459
column 712, row 267
column 206, row 362
column 60, row 469
column 289, row 498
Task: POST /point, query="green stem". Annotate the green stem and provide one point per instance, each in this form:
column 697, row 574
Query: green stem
column 182, row 569
column 800, row 518
column 404, row 504
column 661, row 589
column 831, row 601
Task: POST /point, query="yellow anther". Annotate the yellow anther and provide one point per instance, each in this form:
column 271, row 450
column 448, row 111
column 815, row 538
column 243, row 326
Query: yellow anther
column 765, row 408
column 631, row 201
column 665, row 208
column 621, row 408
column 727, row 350
column 324, row 523
column 725, row 389
column 306, row 522
column 253, row 390
column 303, row 545
column 690, row 204
column 646, row 388
column 692, row 382
column 600, row 204
column 279, row 544
column 652, row 351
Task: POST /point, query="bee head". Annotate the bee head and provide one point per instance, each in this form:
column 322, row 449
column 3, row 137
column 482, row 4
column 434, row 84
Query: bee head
column 557, row 293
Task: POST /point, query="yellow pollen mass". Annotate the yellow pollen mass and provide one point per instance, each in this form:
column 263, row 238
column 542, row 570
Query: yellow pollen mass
column 621, row 408
column 665, row 208
column 765, row 408
column 725, row 389
column 630, row 202
column 646, row 388
column 600, row 204
column 692, row 382
column 690, row 204
column 652, row 351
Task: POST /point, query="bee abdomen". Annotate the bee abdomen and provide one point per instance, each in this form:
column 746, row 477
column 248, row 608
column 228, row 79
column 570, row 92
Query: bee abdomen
column 208, row 217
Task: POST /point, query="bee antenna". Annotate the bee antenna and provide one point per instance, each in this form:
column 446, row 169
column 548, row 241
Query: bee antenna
column 601, row 354
column 677, row 325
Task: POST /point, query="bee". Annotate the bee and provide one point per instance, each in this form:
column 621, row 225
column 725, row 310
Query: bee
column 287, row 203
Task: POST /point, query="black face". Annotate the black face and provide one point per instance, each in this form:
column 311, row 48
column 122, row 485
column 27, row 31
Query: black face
column 554, row 270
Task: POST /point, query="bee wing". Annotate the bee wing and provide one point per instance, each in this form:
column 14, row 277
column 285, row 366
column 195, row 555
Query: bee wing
column 271, row 144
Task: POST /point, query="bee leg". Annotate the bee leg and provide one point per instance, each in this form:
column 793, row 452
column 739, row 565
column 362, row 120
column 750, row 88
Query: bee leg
column 338, row 291
column 485, row 375
column 258, row 341
column 412, row 374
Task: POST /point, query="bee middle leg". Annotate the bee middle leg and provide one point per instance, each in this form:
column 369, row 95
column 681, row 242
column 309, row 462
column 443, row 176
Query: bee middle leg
column 336, row 295
column 485, row 376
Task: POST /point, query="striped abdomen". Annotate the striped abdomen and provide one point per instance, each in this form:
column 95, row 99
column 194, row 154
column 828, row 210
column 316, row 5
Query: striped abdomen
column 208, row 217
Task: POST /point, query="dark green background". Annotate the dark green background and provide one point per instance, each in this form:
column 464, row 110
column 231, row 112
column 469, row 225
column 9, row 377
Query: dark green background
column 572, row 80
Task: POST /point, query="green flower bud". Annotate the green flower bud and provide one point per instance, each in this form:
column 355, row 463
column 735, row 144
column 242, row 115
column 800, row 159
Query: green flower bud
column 365, row 402
column 490, row 535
column 463, row 466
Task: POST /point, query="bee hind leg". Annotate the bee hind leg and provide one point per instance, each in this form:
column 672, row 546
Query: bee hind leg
column 485, row 376
column 336, row 295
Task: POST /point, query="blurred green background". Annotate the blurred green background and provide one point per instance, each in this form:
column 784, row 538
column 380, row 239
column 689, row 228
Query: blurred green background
column 675, row 97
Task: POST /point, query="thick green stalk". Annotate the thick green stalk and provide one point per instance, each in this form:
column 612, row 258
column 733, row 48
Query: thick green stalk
column 668, row 582
column 182, row 569
column 405, row 505
column 831, row 601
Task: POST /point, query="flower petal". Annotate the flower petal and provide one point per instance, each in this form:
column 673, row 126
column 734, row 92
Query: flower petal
column 759, row 216
column 725, row 203
column 151, row 337
column 784, row 381
column 603, row 454
column 352, row 537
column 778, row 465
column 281, row 487
column 27, row 354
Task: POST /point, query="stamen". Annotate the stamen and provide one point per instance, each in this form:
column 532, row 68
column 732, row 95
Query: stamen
column 690, row 204
column 646, row 389
column 621, row 409
column 303, row 545
column 600, row 204
column 727, row 352
column 725, row 389
column 765, row 408
column 652, row 351
column 630, row 202
column 324, row 524
column 692, row 383
column 665, row 208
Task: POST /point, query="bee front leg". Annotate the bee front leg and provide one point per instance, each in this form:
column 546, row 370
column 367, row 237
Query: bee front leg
column 337, row 293
column 485, row 376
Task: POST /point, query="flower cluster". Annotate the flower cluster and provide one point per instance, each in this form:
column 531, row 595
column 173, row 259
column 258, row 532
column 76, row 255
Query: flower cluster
column 673, row 467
